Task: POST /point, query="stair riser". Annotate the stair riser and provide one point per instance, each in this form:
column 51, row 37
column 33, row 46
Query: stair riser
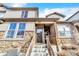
column 39, row 50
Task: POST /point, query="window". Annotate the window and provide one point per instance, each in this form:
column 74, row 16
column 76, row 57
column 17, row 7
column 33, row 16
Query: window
column 2, row 14
column 11, row 30
column 12, row 26
column 21, row 29
column 20, row 34
column 10, row 34
column 64, row 30
column 24, row 14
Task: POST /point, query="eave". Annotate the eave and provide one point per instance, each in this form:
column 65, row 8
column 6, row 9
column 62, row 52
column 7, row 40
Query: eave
column 34, row 20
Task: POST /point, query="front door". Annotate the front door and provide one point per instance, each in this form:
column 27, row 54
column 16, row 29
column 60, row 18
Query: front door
column 39, row 32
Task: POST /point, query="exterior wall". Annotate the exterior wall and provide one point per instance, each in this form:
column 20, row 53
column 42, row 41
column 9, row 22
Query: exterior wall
column 30, row 26
column 32, row 14
column 3, row 29
column 17, row 14
column 4, row 26
column 53, row 35
column 2, row 33
column 5, row 45
column 74, row 18
column 55, row 16
column 2, row 9
column 77, row 34
column 13, row 14
column 68, row 40
column 61, row 39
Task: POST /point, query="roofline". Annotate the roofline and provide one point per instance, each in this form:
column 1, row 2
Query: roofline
column 54, row 13
column 30, row 19
column 33, row 20
column 72, row 16
column 2, row 5
column 22, row 8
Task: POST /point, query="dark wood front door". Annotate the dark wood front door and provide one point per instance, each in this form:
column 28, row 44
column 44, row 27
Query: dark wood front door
column 39, row 35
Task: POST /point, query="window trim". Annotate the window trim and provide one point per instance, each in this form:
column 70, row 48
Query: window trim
column 65, row 31
column 9, row 29
column 16, row 30
column 20, row 29
column 24, row 14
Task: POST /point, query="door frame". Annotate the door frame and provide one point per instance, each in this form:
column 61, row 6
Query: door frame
column 43, row 38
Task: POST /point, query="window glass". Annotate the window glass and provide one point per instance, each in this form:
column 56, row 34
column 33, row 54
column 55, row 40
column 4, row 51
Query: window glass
column 21, row 30
column 12, row 26
column 64, row 30
column 20, row 34
column 21, row 26
column 10, row 34
column 11, row 30
column 24, row 14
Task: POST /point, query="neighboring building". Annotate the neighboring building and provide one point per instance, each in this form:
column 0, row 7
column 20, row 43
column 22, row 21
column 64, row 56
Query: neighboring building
column 56, row 15
column 22, row 28
column 75, row 20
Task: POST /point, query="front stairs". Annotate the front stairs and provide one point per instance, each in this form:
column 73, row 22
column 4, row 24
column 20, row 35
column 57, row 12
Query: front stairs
column 39, row 49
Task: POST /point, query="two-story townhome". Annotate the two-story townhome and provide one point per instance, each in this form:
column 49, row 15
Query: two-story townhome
column 22, row 32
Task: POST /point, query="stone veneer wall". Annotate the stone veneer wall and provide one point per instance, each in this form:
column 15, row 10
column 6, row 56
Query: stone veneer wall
column 64, row 41
column 1, row 34
column 5, row 45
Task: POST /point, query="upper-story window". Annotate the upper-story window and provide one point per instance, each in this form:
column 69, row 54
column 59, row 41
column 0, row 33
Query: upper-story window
column 24, row 14
column 21, row 30
column 64, row 30
column 11, row 30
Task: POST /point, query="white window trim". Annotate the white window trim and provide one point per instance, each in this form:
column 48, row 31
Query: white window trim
column 15, row 33
column 20, row 29
column 16, row 30
column 63, row 36
column 6, row 31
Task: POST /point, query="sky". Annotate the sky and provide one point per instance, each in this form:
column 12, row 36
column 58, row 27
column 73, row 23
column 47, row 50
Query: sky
column 46, row 8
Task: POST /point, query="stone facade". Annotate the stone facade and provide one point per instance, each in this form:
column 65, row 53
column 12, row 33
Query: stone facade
column 5, row 45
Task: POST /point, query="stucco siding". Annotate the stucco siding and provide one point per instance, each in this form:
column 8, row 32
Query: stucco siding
column 30, row 26
column 18, row 14
column 13, row 14
column 32, row 14
column 54, row 16
column 3, row 27
column 2, row 9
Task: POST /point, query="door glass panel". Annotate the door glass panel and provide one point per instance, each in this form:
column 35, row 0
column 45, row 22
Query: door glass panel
column 39, row 35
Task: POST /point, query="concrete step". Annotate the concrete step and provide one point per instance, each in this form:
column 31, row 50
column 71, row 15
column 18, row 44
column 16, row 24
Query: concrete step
column 39, row 50
column 39, row 54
